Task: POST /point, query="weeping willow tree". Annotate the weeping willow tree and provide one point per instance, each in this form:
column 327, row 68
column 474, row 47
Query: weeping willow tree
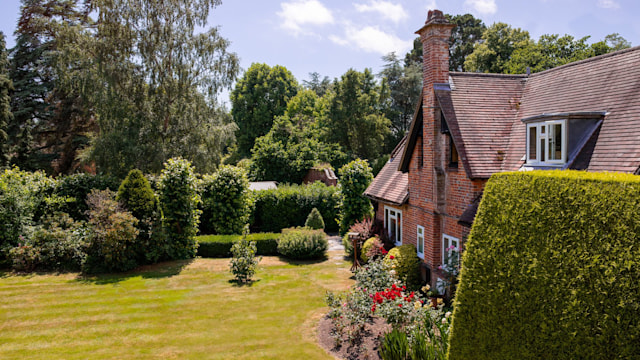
column 152, row 79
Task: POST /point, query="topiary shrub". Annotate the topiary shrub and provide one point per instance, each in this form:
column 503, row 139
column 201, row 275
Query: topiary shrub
column 303, row 244
column 244, row 262
column 404, row 260
column 551, row 269
column 354, row 178
column 370, row 249
column 226, row 200
column 314, row 220
column 112, row 235
column 179, row 201
column 136, row 196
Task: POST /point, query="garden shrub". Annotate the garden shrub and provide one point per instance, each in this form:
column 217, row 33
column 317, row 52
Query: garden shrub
column 354, row 178
column 303, row 244
column 244, row 262
column 370, row 249
column 21, row 194
column 179, row 201
column 219, row 246
column 395, row 346
column 404, row 259
column 551, row 269
column 112, row 235
column 136, row 195
column 226, row 200
column 288, row 206
column 348, row 245
column 76, row 187
column 314, row 220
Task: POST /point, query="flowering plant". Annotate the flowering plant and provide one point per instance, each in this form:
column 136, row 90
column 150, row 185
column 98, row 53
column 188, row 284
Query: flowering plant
column 450, row 268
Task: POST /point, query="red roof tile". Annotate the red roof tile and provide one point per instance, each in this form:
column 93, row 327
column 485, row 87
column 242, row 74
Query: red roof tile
column 390, row 185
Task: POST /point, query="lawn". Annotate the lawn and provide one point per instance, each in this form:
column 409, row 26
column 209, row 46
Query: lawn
column 180, row 309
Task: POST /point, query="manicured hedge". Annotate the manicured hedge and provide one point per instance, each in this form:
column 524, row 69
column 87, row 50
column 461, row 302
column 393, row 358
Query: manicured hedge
column 289, row 205
column 551, row 269
column 219, row 246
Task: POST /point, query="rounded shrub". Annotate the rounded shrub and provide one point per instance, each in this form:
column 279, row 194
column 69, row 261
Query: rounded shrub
column 227, row 201
column 136, row 195
column 179, row 201
column 303, row 244
column 314, row 220
column 370, row 248
column 404, row 260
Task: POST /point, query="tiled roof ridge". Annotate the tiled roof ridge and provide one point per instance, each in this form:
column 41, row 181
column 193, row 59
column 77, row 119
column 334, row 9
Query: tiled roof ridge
column 398, row 147
column 471, row 74
column 587, row 60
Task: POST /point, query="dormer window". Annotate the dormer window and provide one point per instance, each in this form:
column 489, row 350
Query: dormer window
column 547, row 142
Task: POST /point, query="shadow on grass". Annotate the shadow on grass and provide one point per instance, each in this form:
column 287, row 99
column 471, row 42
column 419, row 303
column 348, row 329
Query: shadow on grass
column 249, row 283
column 303, row 262
column 160, row 270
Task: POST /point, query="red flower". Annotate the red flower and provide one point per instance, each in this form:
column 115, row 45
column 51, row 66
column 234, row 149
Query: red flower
column 391, row 257
column 383, row 251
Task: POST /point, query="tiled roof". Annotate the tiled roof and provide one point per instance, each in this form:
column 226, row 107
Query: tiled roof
column 480, row 110
column 609, row 83
column 390, row 185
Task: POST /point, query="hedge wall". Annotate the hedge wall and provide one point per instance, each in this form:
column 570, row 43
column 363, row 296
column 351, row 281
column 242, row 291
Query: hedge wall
column 219, row 246
column 289, row 205
column 551, row 269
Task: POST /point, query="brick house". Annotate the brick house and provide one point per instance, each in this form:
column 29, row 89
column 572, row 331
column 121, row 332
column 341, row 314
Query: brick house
column 584, row 115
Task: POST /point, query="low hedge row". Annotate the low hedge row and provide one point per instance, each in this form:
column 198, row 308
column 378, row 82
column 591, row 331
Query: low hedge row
column 551, row 269
column 219, row 246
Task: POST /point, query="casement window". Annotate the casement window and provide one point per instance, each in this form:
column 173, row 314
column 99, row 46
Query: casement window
column 547, row 143
column 449, row 245
column 393, row 223
column 420, row 241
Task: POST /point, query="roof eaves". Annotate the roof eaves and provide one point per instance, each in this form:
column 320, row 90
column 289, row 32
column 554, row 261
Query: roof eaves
column 415, row 130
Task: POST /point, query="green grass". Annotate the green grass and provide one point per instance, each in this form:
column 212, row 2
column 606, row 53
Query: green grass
column 180, row 310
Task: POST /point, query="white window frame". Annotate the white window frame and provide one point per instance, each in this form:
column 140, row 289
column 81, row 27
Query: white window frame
column 447, row 241
column 420, row 241
column 543, row 133
column 393, row 214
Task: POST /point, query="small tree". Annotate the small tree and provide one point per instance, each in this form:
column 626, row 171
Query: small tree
column 355, row 177
column 244, row 262
column 136, row 195
column 314, row 220
column 227, row 200
column 179, row 203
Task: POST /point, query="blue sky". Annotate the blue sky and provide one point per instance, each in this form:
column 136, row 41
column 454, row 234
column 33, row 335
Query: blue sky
column 331, row 36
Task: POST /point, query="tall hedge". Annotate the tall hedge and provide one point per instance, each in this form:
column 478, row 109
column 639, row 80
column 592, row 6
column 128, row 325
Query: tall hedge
column 226, row 200
column 551, row 269
column 354, row 178
column 289, row 205
column 179, row 201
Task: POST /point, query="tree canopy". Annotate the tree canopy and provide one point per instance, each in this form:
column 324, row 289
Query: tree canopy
column 5, row 101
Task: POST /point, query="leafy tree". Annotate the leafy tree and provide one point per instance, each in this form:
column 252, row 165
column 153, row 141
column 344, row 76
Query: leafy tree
column 258, row 97
column 611, row 42
column 356, row 119
column 320, row 87
column 404, row 84
column 499, row 41
column 464, row 36
column 5, row 102
column 153, row 81
column 354, row 178
column 294, row 144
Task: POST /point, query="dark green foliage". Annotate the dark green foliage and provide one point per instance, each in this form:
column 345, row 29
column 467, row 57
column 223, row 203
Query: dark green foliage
column 407, row 265
column 348, row 245
column 289, row 205
column 258, row 97
column 464, row 36
column 244, row 262
column 6, row 116
column 78, row 186
column 303, row 244
column 112, row 235
column 226, row 200
column 551, row 269
column 179, row 202
column 219, row 246
column 314, row 220
column 395, row 346
column 354, row 178
column 136, row 195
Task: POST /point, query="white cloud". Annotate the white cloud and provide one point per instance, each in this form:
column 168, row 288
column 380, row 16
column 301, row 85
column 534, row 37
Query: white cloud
column 298, row 13
column 372, row 39
column 391, row 11
column 608, row 4
column 483, row 6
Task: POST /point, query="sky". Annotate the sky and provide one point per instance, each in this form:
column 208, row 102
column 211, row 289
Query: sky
column 331, row 36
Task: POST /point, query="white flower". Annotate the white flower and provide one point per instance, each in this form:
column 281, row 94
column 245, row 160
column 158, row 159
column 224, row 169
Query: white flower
column 447, row 314
column 444, row 320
